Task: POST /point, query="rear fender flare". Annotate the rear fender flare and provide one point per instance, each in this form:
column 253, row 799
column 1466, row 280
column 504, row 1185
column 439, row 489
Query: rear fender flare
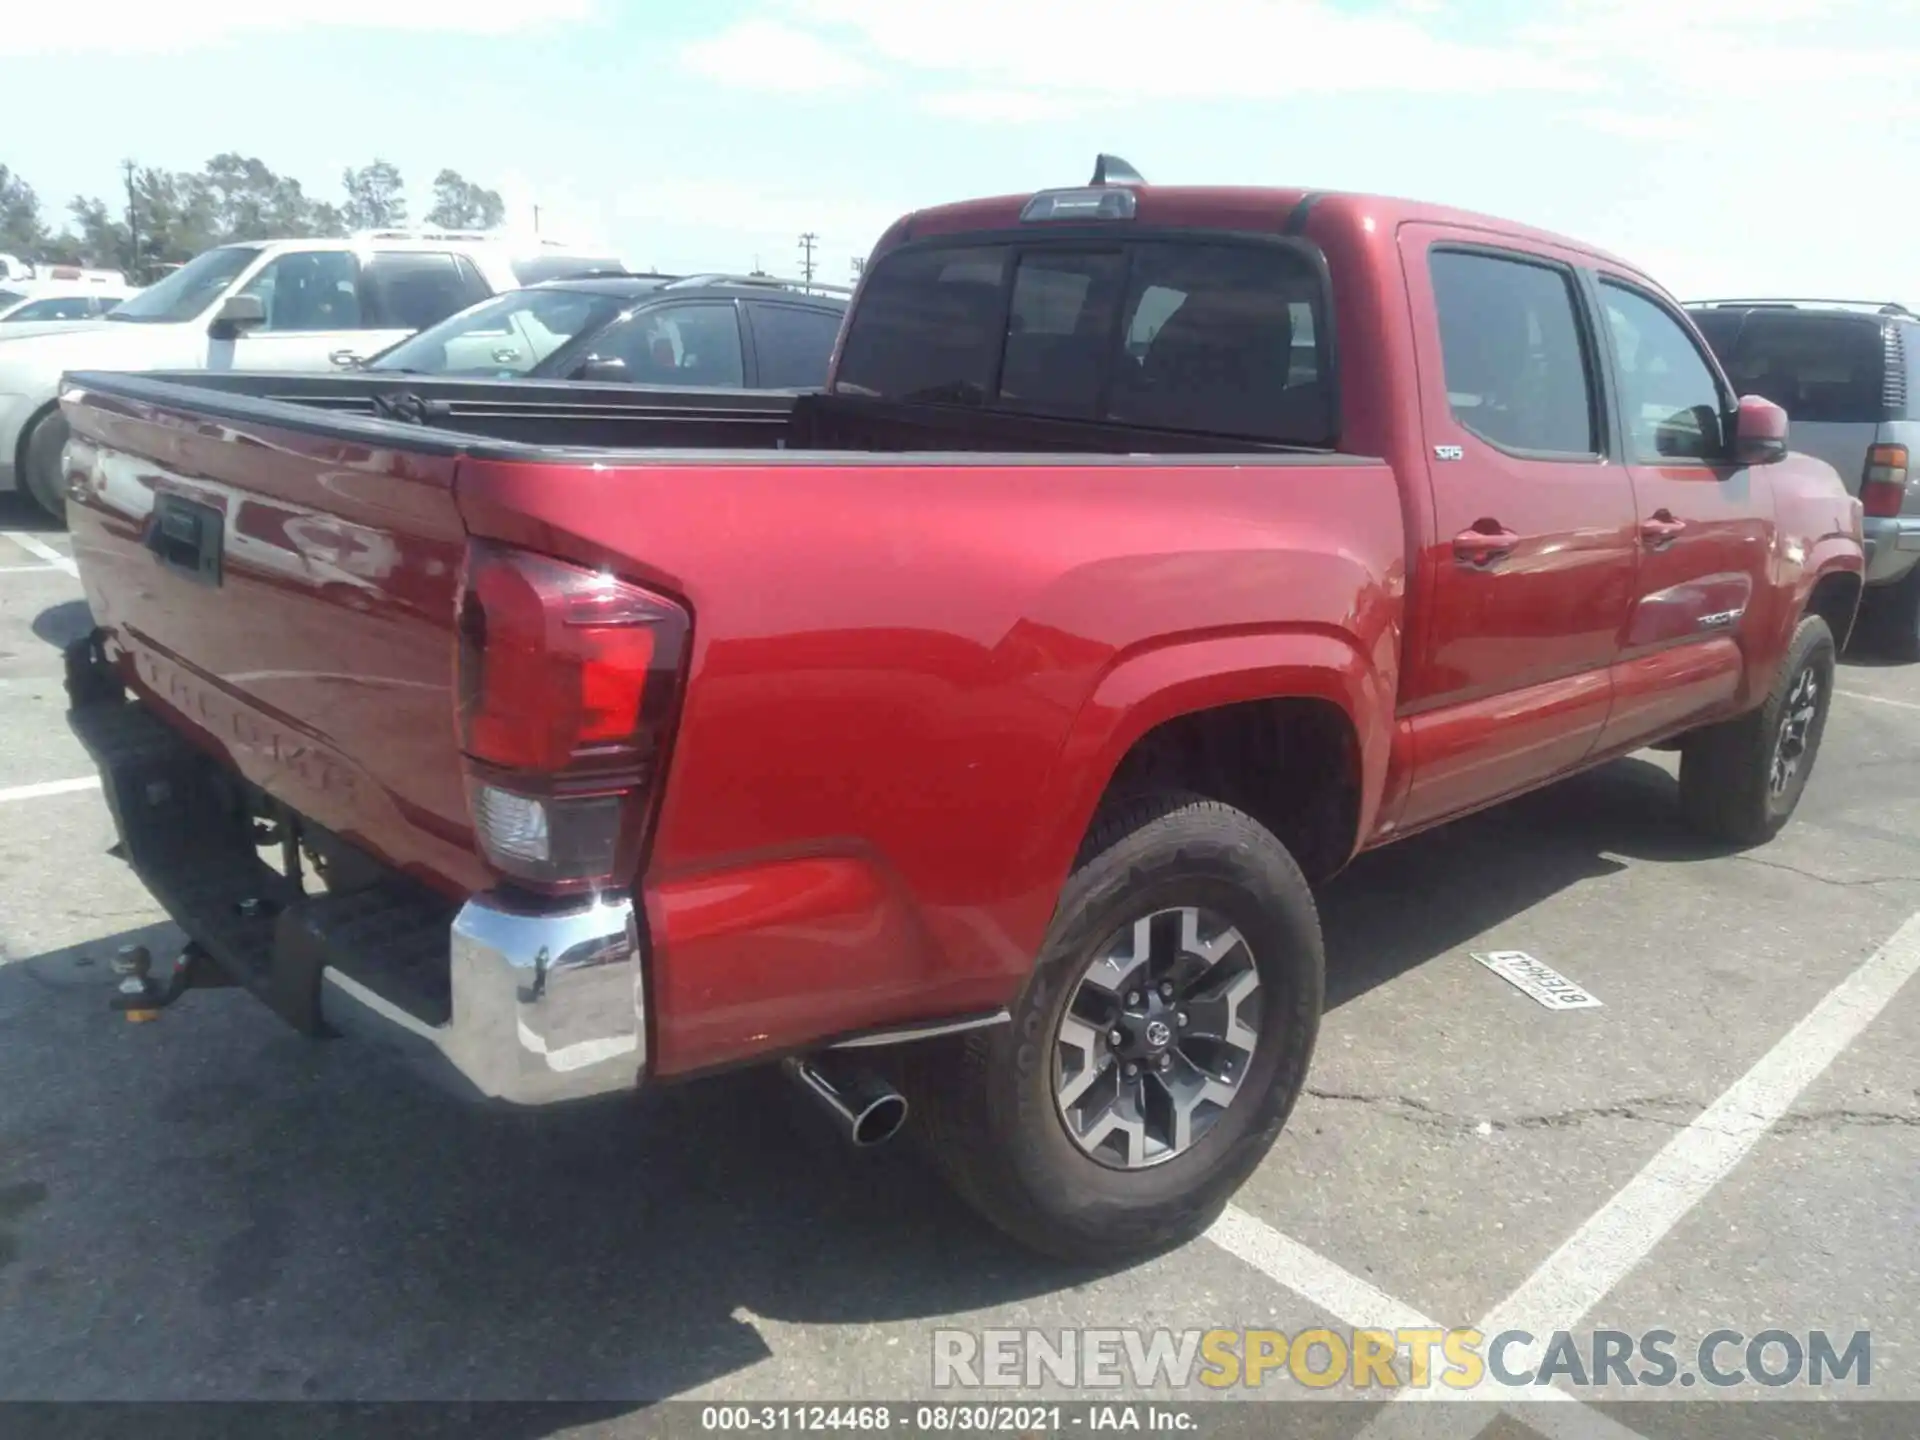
column 1188, row 675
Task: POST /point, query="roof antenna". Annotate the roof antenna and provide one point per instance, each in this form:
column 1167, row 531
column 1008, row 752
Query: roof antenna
column 1112, row 170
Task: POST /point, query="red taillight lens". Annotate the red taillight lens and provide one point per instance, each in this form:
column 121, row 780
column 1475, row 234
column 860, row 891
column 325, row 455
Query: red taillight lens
column 1883, row 488
column 558, row 663
column 567, row 679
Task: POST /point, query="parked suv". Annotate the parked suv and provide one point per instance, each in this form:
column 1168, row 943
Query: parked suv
column 267, row 305
column 1848, row 373
column 719, row 331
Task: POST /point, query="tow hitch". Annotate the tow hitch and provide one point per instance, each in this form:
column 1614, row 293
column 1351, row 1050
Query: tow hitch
column 142, row 998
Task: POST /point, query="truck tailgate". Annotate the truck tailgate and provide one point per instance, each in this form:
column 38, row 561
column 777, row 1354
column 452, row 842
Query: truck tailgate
column 288, row 596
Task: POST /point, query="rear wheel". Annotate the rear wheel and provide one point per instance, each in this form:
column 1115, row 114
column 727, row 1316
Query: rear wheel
column 1157, row 1049
column 43, row 476
column 1893, row 616
column 1741, row 781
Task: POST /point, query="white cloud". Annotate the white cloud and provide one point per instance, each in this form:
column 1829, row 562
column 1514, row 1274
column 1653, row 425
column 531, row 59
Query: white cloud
column 1063, row 53
column 769, row 55
column 137, row 26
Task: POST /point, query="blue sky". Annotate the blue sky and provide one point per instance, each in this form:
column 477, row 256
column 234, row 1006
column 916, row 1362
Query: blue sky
column 1731, row 146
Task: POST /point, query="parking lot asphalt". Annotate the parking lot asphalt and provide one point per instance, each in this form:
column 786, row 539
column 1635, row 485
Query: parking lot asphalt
column 211, row 1207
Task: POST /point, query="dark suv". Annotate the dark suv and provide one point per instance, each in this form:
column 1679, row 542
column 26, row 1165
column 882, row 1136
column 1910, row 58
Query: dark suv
column 1848, row 374
column 720, row 331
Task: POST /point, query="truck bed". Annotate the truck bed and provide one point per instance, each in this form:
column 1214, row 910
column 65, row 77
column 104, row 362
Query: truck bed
column 867, row 624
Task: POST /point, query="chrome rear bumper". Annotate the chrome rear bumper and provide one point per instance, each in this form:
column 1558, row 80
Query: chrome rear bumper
column 547, row 1006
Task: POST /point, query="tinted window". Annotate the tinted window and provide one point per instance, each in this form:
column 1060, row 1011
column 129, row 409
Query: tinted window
column 695, row 344
column 403, row 291
column 307, row 290
column 1815, row 367
column 1673, row 405
column 1212, row 335
column 928, row 327
column 1910, row 343
column 1191, row 337
column 1059, row 330
column 1516, row 369
column 793, row 344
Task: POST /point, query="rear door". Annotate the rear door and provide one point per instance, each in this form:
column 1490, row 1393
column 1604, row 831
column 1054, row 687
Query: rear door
column 1705, row 526
column 405, row 291
column 791, row 344
column 1534, row 523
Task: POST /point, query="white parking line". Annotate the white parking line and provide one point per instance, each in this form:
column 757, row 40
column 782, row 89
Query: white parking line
column 40, row 550
column 1624, row 1231
column 1878, row 699
column 1364, row 1306
column 1311, row 1275
column 50, row 787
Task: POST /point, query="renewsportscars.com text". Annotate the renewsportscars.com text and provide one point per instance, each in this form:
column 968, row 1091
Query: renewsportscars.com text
column 1372, row 1360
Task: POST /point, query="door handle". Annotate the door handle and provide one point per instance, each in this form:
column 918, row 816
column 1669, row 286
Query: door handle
column 1486, row 543
column 1660, row 529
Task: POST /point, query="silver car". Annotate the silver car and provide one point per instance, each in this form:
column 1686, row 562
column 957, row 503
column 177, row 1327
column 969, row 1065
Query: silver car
column 1848, row 374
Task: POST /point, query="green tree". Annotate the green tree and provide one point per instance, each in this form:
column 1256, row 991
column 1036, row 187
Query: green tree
column 459, row 204
column 376, row 197
column 22, row 230
column 99, row 236
column 178, row 215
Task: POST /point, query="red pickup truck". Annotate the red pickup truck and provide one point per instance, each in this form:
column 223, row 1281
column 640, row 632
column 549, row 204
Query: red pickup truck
column 973, row 730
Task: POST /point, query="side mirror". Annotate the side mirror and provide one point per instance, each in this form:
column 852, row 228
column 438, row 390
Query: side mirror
column 1759, row 431
column 602, row 370
column 238, row 313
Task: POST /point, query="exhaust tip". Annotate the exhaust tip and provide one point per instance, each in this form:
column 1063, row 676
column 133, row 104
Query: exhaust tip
column 880, row 1121
column 865, row 1108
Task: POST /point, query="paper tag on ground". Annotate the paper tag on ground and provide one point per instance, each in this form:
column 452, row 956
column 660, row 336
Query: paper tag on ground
column 1536, row 978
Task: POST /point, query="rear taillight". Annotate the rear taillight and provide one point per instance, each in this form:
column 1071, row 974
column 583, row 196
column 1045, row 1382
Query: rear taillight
column 567, row 681
column 1883, row 489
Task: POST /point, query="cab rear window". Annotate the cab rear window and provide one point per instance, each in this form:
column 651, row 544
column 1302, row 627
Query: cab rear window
column 1819, row 368
column 1221, row 338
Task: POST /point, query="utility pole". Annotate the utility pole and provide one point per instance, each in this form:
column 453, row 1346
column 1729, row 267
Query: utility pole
column 807, row 242
column 133, row 225
column 536, row 219
column 859, row 267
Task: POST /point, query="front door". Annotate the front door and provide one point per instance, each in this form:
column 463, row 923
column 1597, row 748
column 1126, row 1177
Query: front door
column 1531, row 569
column 312, row 303
column 1706, row 528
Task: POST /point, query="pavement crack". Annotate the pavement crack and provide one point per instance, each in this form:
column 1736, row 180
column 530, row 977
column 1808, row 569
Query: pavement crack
column 1671, row 1111
column 1664, row 1110
column 1844, row 1117
column 1828, row 879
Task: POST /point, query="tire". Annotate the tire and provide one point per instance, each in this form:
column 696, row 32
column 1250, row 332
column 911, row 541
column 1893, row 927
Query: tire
column 43, row 475
column 991, row 1116
column 1728, row 788
column 1894, row 615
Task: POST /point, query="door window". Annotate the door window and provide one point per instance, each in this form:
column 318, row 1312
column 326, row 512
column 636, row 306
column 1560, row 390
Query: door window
column 308, row 290
column 1674, row 406
column 410, row 290
column 1517, row 372
column 695, row 344
column 793, row 344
